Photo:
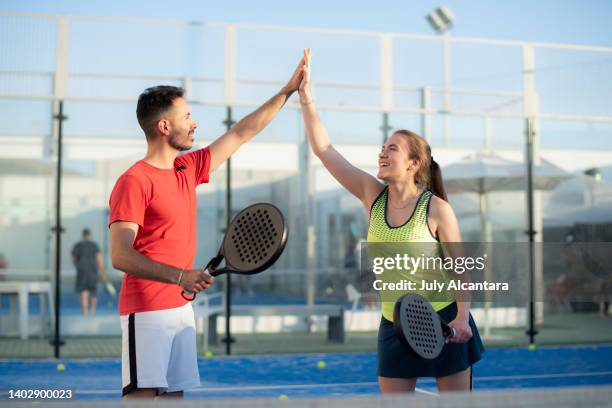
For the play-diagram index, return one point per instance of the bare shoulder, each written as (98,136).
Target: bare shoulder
(440,210)
(443,221)
(372,191)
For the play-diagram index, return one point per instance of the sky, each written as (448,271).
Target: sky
(562,21)
(567,82)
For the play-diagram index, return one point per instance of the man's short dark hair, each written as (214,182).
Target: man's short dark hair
(155,101)
(86,232)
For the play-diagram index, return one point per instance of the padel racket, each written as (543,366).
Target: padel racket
(110,289)
(419,327)
(254,240)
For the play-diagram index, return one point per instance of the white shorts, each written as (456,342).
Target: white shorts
(159,350)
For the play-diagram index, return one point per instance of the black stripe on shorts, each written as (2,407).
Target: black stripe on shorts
(132,356)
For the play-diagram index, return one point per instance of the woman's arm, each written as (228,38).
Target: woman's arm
(445,226)
(359,183)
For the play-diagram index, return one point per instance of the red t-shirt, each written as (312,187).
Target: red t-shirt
(163,203)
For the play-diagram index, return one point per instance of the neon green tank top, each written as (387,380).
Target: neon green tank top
(414,230)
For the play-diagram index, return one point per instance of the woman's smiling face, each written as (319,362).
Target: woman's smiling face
(393,159)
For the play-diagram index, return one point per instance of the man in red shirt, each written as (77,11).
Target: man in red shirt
(153,238)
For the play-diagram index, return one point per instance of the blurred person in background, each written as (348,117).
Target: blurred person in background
(87,259)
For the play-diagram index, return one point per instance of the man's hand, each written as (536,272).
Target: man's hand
(223,147)
(196,280)
(296,78)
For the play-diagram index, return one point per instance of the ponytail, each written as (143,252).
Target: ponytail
(435,180)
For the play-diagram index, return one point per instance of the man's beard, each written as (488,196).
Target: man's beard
(178,146)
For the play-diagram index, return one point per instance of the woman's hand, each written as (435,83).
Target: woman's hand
(304,89)
(463,331)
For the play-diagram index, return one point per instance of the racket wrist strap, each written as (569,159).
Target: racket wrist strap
(447,331)
(212,265)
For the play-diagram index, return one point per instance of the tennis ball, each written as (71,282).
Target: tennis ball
(208,354)
(283,397)
(321,364)
(61,367)
(531,347)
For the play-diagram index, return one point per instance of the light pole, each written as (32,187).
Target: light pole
(441,20)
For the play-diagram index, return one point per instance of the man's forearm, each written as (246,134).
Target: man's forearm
(254,122)
(134,263)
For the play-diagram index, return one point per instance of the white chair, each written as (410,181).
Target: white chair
(23,290)
(204,311)
(354,297)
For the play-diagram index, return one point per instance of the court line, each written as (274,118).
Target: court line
(262,387)
(255,387)
(536,376)
(422,391)
(488,378)
(370,383)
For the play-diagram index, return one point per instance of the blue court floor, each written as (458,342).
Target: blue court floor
(297,375)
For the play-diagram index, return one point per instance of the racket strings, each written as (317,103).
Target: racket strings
(423,332)
(255,237)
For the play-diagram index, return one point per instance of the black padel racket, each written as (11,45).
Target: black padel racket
(254,240)
(419,327)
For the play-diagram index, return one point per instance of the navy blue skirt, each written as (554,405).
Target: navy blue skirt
(395,361)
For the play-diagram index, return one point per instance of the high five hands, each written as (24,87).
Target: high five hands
(297,78)
(304,89)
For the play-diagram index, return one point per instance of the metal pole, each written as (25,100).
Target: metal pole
(486,236)
(58,229)
(487,132)
(385,127)
(531,332)
(425,117)
(228,340)
(446,62)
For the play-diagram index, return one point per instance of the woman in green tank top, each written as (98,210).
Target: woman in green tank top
(411,207)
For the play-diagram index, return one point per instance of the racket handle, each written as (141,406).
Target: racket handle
(217,272)
(447,331)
